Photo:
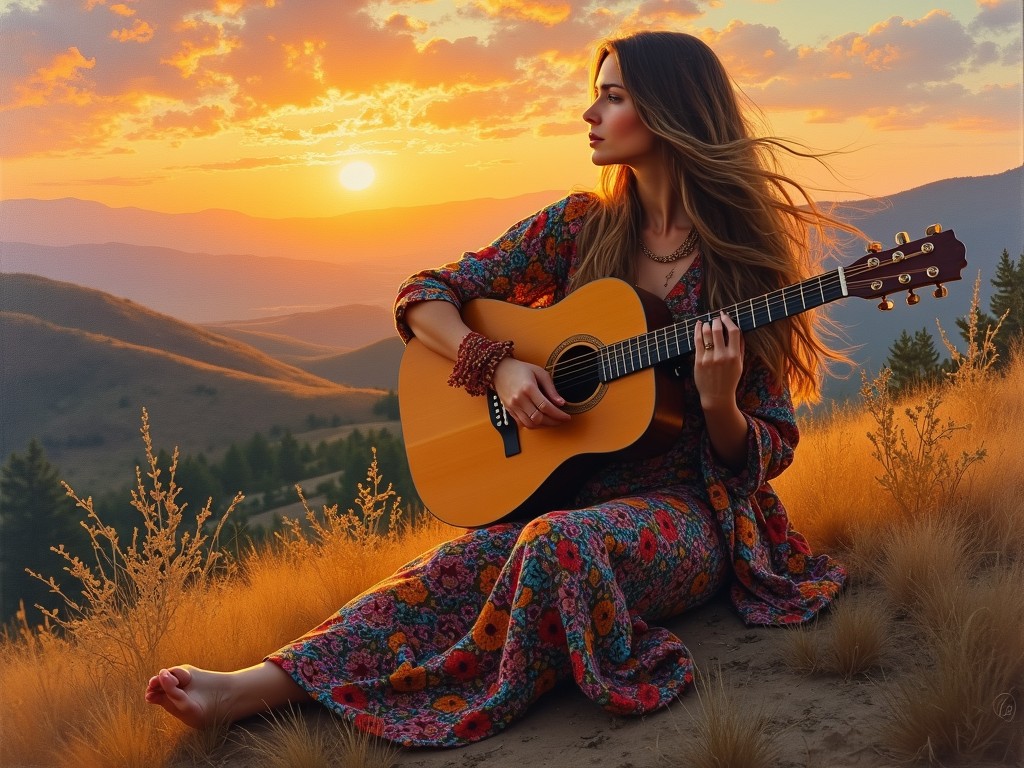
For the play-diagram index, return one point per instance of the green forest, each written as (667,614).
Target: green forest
(36,512)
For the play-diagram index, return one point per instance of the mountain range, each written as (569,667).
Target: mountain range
(222,325)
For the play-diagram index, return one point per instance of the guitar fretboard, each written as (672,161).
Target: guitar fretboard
(639,352)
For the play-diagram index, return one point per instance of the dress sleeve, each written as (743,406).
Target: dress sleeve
(529,265)
(777,578)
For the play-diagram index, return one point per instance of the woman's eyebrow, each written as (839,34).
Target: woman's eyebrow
(606,86)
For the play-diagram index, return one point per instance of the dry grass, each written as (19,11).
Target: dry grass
(82,688)
(962,701)
(948,557)
(295,741)
(728,730)
(854,641)
(952,570)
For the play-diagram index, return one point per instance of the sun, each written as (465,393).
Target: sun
(357,176)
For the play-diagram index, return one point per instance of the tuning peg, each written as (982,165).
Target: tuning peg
(874,247)
(940,292)
(912,298)
(902,238)
(934,229)
(885,304)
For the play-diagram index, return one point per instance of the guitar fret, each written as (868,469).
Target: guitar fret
(645,350)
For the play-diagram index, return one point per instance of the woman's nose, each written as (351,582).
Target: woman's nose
(590,116)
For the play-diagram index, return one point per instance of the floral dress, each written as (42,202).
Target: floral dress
(458,643)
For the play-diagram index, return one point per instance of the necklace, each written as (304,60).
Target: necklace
(684,250)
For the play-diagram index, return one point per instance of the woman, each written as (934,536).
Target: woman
(460,641)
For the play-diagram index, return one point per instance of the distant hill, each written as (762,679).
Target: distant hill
(373,366)
(341,328)
(371,237)
(201,287)
(84,309)
(79,384)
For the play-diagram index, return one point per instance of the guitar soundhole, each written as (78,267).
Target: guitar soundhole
(574,368)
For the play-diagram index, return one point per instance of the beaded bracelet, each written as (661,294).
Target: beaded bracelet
(477,360)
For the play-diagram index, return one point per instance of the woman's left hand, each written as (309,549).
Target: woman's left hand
(718,365)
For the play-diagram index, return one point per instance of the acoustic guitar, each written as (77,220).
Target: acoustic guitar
(610,350)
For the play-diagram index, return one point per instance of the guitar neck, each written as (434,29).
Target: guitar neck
(648,349)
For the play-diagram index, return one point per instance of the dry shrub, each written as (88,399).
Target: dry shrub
(858,634)
(294,741)
(922,558)
(962,702)
(131,593)
(73,695)
(728,730)
(918,470)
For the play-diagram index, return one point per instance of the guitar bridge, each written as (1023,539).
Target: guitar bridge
(506,426)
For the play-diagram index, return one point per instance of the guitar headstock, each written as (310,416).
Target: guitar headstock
(936,258)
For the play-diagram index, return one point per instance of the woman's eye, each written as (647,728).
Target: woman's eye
(613,98)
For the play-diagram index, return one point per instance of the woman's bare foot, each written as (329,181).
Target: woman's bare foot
(194,696)
(202,699)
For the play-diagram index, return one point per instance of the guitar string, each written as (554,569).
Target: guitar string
(582,368)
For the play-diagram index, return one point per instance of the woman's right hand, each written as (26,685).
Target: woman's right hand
(529,394)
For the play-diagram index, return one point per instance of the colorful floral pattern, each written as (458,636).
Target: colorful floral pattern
(460,641)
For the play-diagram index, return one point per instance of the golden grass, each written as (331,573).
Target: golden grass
(953,572)
(963,700)
(855,640)
(294,741)
(952,569)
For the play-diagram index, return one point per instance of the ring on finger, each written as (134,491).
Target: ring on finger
(708,346)
(534,414)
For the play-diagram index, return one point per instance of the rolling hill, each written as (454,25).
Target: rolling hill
(77,380)
(375,365)
(338,328)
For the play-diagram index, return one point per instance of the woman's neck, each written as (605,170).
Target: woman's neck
(661,203)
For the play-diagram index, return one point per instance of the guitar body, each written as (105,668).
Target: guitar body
(461,463)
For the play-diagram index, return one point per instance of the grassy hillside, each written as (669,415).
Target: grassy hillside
(84,309)
(279,346)
(78,366)
(375,365)
(344,327)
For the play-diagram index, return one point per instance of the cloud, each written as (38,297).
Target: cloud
(326,74)
(899,74)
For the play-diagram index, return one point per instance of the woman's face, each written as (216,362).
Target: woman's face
(617,135)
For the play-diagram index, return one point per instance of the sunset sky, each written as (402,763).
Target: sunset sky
(257,105)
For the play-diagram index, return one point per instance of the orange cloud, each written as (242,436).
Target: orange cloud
(141,32)
(60,81)
(546,13)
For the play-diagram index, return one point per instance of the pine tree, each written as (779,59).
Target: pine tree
(1007,299)
(913,360)
(289,459)
(35,514)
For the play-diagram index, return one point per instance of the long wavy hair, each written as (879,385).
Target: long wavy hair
(759,229)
